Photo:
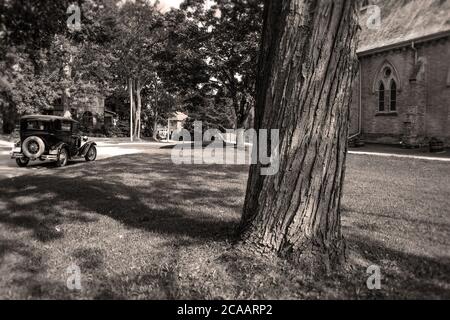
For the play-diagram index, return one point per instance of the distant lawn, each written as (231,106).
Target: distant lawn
(140,227)
(10,137)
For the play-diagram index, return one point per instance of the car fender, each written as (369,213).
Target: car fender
(85,148)
(58,147)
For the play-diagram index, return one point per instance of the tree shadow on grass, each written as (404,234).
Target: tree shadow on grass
(153,282)
(403,274)
(23,270)
(140,194)
(149,193)
(194,204)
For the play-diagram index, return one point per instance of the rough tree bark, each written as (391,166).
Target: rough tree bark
(305,73)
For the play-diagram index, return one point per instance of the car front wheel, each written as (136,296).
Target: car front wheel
(22,162)
(91,155)
(63,157)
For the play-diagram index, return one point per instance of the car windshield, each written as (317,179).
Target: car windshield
(35,125)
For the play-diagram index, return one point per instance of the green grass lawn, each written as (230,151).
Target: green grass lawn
(140,227)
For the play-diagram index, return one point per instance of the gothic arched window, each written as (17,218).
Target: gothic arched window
(387,87)
(381,96)
(393,96)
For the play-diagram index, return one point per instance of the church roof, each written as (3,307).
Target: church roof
(404,21)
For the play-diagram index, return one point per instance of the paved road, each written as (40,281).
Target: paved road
(9,169)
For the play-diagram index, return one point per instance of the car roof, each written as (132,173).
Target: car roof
(46,118)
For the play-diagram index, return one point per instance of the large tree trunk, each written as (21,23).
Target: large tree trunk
(9,118)
(240,133)
(239,123)
(138,109)
(155,126)
(65,98)
(243,111)
(65,101)
(130,91)
(306,68)
(156,113)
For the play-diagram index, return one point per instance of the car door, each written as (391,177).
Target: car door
(64,132)
(76,137)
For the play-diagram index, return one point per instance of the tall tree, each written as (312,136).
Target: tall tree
(230,36)
(26,30)
(21,90)
(159,105)
(306,68)
(141,36)
(235,28)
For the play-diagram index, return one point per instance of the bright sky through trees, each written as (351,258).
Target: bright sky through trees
(167,4)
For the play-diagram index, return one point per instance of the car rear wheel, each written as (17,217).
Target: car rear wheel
(22,162)
(91,155)
(33,147)
(63,157)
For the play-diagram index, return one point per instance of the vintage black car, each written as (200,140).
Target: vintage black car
(51,138)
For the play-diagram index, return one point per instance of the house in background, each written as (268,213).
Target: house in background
(176,123)
(92,114)
(402,92)
(174,126)
(110,118)
(161,132)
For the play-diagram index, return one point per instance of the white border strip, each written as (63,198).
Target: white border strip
(399,156)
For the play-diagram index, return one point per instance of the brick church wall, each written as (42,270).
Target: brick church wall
(438,91)
(430,95)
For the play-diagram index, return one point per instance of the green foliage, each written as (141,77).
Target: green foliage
(229,34)
(139,36)
(121,130)
(159,106)
(42,60)
(182,61)
(21,90)
(32,24)
(195,59)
